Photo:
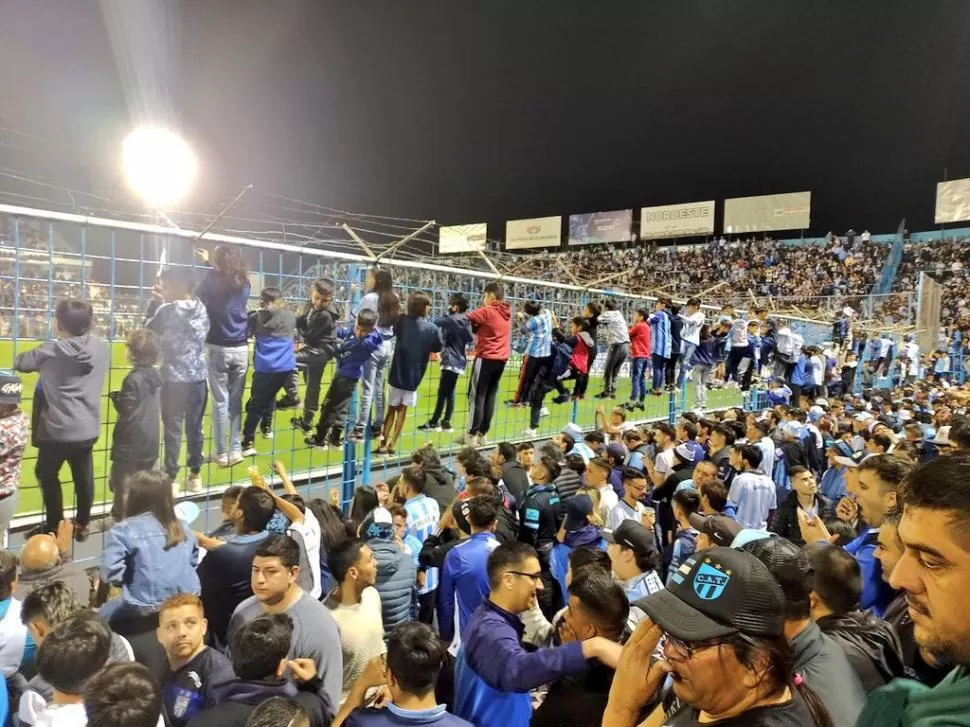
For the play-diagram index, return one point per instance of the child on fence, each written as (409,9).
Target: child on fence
(66,417)
(14,435)
(584,347)
(640,359)
(182,324)
(355,351)
(456,334)
(134,444)
(317,328)
(273,326)
(417,339)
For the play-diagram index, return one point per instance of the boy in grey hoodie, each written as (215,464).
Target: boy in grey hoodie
(67,410)
(182,323)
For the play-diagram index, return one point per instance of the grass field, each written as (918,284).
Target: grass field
(288,446)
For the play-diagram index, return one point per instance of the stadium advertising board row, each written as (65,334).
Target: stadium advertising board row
(742,215)
(593,227)
(953,201)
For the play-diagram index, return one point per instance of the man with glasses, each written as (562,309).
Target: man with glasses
(721,622)
(493,672)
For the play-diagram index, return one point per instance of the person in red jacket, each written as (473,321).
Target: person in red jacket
(583,345)
(492,324)
(640,359)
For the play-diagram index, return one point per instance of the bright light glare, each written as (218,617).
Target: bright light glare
(159,165)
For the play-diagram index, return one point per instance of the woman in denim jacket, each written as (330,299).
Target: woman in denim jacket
(150,554)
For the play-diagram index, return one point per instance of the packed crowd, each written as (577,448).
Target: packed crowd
(944,260)
(785,566)
(804,564)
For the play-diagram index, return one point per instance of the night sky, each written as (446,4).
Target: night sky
(470,111)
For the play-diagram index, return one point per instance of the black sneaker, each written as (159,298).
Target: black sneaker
(429,427)
(286,402)
(357,435)
(298,423)
(316,443)
(562,399)
(602,395)
(445,427)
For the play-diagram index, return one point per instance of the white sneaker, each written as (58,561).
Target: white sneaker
(234,459)
(176,489)
(267,435)
(250,451)
(220,460)
(543,412)
(530,433)
(481,441)
(193,484)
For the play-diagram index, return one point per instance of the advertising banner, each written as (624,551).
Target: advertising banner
(677,220)
(593,227)
(953,201)
(535,232)
(462,238)
(767,212)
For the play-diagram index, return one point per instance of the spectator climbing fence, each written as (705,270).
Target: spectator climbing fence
(46,256)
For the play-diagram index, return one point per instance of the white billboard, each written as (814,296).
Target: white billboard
(953,201)
(677,220)
(462,238)
(535,232)
(767,212)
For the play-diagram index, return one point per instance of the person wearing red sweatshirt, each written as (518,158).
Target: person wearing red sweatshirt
(640,359)
(492,324)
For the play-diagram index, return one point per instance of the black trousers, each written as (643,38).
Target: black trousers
(446,397)
(262,401)
(335,406)
(616,355)
(482,388)
(670,369)
(50,457)
(534,367)
(426,607)
(120,471)
(183,405)
(313,366)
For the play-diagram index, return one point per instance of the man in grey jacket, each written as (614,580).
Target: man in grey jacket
(66,417)
(618,338)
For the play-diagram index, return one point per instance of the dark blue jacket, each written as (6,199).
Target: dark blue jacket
(394,716)
(354,352)
(226,306)
(396,574)
(465,577)
(417,339)
(274,329)
(876,593)
(494,673)
(706,353)
(456,333)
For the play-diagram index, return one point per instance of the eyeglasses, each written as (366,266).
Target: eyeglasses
(690,648)
(536,577)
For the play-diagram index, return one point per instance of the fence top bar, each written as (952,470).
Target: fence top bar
(17,211)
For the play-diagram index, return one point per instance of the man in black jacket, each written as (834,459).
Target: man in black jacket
(514,476)
(259,649)
(804,495)
(869,643)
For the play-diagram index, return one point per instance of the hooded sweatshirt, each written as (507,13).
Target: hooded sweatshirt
(67,404)
(456,333)
(616,330)
(235,700)
(354,352)
(183,326)
(274,328)
(318,329)
(226,307)
(417,339)
(907,702)
(136,433)
(492,324)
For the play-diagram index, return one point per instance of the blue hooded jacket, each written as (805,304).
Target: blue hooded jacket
(354,352)
(226,306)
(273,329)
(456,333)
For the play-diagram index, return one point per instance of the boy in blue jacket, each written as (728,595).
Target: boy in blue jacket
(355,350)
(417,339)
(456,335)
(273,326)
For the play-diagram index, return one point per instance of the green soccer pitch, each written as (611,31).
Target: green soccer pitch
(288,446)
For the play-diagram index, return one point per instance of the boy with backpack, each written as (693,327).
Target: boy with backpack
(417,339)
(134,444)
(182,324)
(66,417)
(355,351)
(273,326)
(456,335)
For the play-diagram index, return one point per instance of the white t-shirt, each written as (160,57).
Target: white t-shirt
(691,330)
(663,463)
(309,530)
(608,500)
(361,634)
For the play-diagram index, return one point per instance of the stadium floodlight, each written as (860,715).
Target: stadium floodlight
(159,165)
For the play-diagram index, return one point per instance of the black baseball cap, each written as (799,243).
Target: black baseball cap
(716,593)
(719,528)
(578,509)
(631,534)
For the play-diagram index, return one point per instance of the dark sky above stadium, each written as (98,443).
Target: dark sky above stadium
(469,111)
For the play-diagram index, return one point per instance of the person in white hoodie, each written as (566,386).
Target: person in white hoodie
(618,338)
(690,336)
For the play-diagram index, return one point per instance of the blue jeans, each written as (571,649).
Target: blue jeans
(227,379)
(659,366)
(638,374)
(375,371)
(685,364)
